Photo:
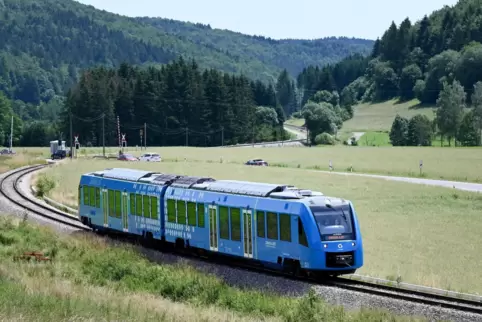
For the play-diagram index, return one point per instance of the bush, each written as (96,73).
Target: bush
(324,139)
(44,185)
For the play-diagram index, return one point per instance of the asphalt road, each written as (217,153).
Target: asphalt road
(466,186)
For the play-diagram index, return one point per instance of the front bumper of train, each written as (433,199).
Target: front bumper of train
(338,256)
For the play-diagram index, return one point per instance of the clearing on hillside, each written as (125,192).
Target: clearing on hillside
(380,116)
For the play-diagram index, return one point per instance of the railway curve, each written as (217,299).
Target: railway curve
(469,304)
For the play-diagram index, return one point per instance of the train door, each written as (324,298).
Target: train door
(125,213)
(213,228)
(248,233)
(105,204)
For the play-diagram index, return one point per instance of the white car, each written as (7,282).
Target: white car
(150,157)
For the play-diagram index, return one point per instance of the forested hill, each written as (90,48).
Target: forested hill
(45,43)
(290,54)
(409,60)
(437,60)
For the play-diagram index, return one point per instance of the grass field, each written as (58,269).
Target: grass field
(23,156)
(427,235)
(380,116)
(460,164)
(92,279)
(375,138)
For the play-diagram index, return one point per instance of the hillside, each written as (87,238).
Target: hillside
(410,60)
(290,54)
(46,42)
(414,61)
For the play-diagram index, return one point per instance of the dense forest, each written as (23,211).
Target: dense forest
(47,43)
(179,103)
(411,61)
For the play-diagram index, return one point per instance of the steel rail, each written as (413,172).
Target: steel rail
(20,199)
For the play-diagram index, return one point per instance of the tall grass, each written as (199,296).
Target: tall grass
(90,278)
(44,184)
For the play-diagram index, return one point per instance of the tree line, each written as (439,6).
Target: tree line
(177,100)
(453,121)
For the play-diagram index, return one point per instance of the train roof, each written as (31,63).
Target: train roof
(247,188)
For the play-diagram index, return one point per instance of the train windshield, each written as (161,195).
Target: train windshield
(334,223)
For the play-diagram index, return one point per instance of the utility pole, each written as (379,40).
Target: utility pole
(11,134)
(145,136)
(222,135)
(103,135)
(118,132)
(71,141)
(187,136)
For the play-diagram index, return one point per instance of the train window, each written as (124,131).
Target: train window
(191,214)
(132,201)
(86,195)
(223,222)
(145,203)
(285,227)
(171,210)
(301,234)
(260,224)
(138,205)
(154,214)
(200,215)
(92,196)
(79,194)
(181,212)
(272,225)
(97,197)
(235,224)
(111,203)
(118,207)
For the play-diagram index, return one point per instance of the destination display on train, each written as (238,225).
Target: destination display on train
(337,237)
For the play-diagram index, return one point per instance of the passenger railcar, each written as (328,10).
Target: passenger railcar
(278,226)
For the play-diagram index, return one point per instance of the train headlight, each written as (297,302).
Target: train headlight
(325,245)
(353,244)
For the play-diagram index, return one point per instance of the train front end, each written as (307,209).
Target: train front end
(337,246)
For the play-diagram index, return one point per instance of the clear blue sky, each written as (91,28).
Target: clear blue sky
(305,19)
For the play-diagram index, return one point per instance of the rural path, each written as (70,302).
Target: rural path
(294,130)
(466,186)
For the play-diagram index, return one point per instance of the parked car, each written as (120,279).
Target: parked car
(150,157)
(59,154)
(127,157)
(259,162)
(7,151)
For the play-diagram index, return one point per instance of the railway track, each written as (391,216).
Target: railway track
(10,190)
(9,187)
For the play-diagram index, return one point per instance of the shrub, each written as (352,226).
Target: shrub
(44,185)
(324,139)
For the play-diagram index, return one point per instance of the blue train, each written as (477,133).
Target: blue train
(277,226)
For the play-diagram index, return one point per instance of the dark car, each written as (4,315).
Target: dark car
(127,157)
(259,162)
(59,154)
(7,151)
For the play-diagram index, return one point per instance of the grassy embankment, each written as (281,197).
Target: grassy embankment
(90,278)
(409,230)
(23,157)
